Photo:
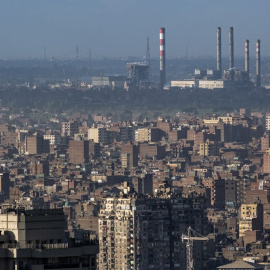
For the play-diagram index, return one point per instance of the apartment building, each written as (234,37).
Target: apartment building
(129,156)
(36,239)
(139,232)
(78,152)
(210,148)
(37,145)
(99,135)
(250,218)
(69,128)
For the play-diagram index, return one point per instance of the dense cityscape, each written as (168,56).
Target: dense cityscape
(136,162)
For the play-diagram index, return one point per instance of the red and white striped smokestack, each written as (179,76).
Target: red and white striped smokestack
(247,56)
(162,57)
(258,62)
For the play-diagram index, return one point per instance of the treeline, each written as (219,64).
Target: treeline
(120,101)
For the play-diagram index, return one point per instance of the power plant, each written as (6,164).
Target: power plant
(232,77)
(247,57)
(258,63)
(162,57)
(231,48)
(138,73)
(219,51)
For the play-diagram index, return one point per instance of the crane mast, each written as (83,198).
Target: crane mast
(190,237)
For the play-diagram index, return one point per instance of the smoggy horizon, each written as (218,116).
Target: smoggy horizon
(119,28)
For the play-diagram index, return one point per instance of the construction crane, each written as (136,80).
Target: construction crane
(190,238)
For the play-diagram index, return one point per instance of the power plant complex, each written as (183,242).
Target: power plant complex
(231,77)
(138,75)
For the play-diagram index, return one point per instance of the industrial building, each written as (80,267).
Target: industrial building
(204,84)
(185,84)
(109,81)
(232,77)
(137,74)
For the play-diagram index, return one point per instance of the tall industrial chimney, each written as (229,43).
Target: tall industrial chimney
(162,58)
(258,63)
(247,57)
(231,64)
(219,50)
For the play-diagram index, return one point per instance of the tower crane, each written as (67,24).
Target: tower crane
(190,237)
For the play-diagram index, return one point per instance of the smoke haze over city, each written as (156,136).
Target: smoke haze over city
(120,28)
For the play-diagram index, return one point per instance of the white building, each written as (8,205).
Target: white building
(204,84)
(54,139)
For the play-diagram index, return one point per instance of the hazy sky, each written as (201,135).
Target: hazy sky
(120,27)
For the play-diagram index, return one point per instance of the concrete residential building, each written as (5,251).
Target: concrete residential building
(38,168)
(151,150)
(145,233)
(143,185)
(78,152)
(129,156)
(267,121)
(93,134)
(54,139)
(4,184)
(35,239)
(265,142)
(69,128)
(126,134)
(141,135)
(266,162)
(231,191)
(94,148)
(250,218)
(9,138)
(99,135)
(210,148)
(37,145)
(149,134)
